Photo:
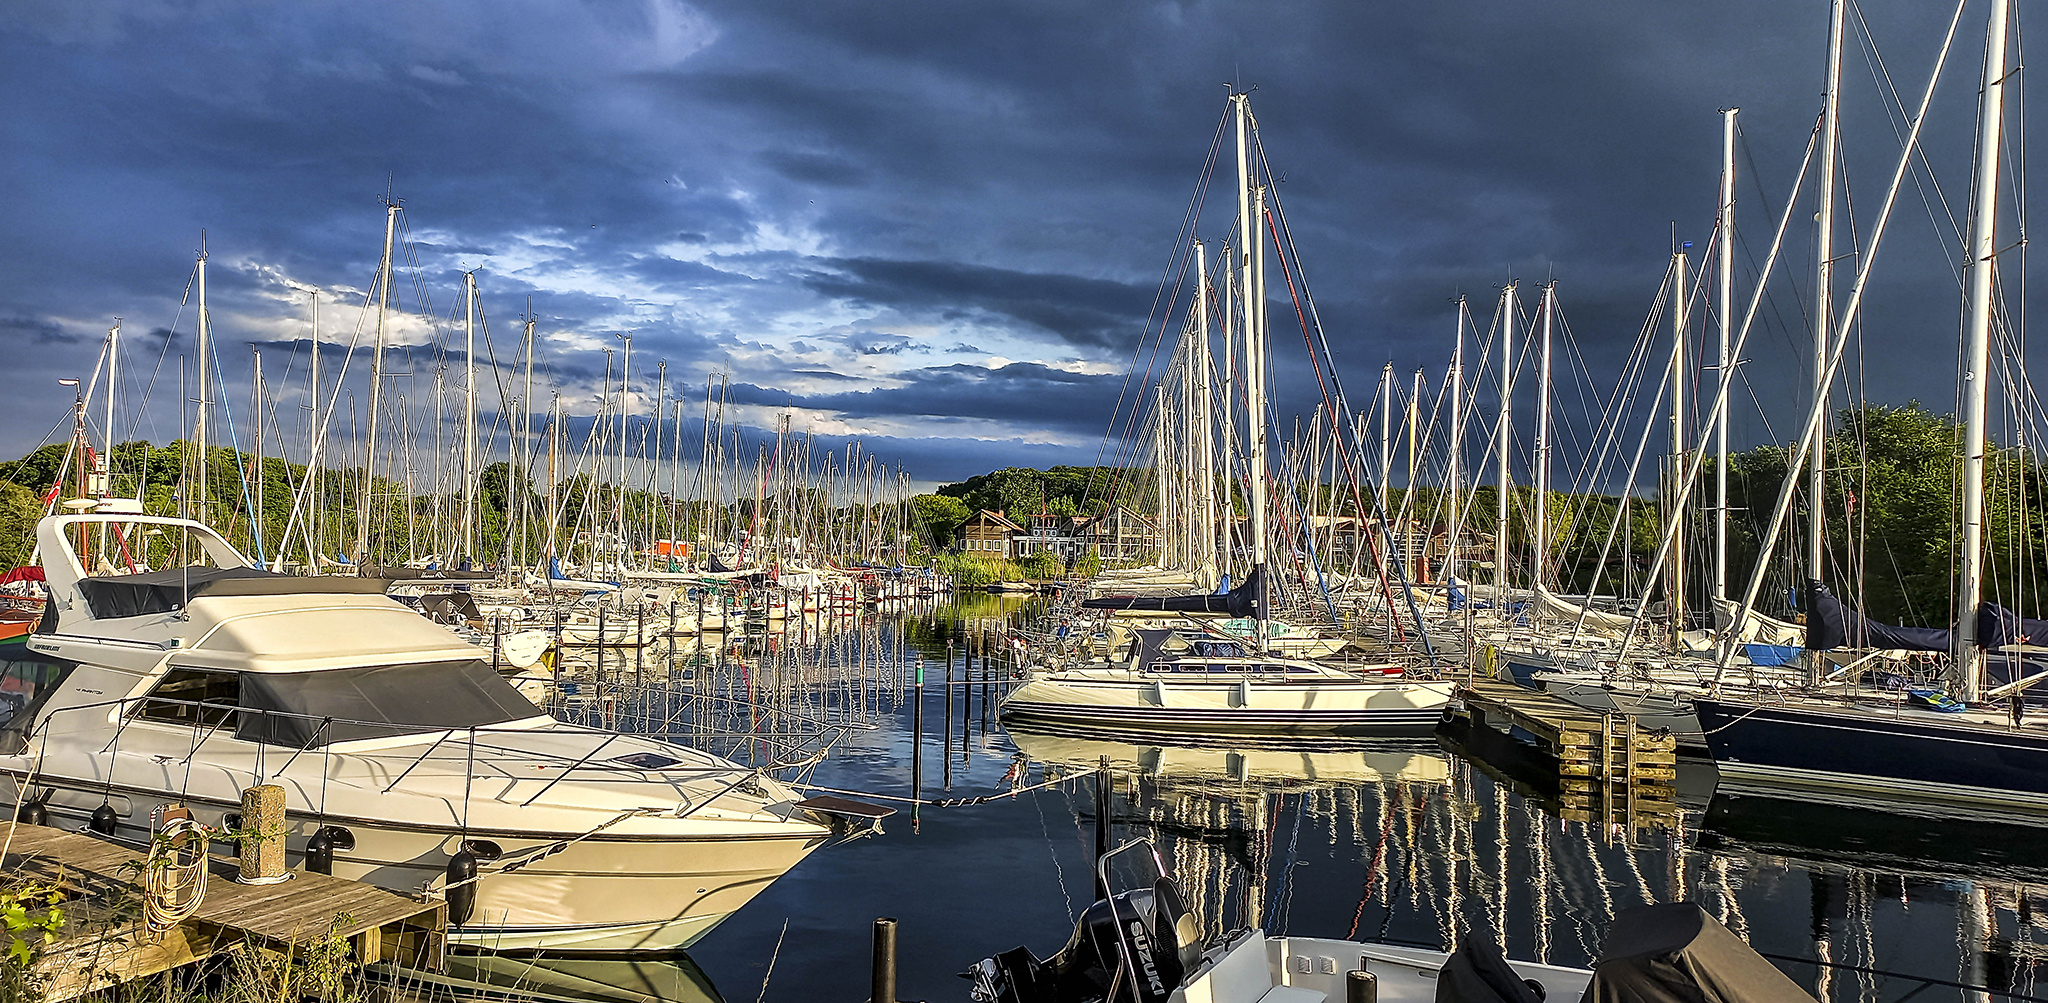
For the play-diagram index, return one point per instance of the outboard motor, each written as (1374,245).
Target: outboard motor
(1137,945)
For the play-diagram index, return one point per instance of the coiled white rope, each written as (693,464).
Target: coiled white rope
(174,876)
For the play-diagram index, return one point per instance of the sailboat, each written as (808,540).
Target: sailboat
(1169,670)
(1888,743)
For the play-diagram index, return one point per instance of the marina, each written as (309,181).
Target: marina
(829,580)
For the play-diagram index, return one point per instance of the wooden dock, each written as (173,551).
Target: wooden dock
(1607,768)
(105,942)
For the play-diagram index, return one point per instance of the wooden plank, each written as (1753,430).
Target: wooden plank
(104,944)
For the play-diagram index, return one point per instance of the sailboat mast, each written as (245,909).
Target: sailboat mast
(1386,434)
(625,416)
(1969,656)
(1456,379)
(523,484)
(466,542)
(1205,438)
(1674,494)
(1500,435)
(1824,293)
(1251,255)
(1725,292)
(316,521)
(362,547)
(205,403)
(1540,546)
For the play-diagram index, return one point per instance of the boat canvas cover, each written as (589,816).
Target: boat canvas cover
(1832,625)
(1241,602)
(115,596)
(1556,609)
(1476,973)
(1677,953)
(312,709)
(1760,629)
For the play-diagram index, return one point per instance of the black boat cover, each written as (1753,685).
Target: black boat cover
(1678,954)
(1829,624)
(314,709)
(1242,601)
(1476,973)
(115,596)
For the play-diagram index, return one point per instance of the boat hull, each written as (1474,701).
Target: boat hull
(595,893)
(1901,756)
(1232,706)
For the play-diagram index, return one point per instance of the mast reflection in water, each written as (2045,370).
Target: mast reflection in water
(1404,841)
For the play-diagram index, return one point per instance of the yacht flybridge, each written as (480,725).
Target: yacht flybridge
(396,744)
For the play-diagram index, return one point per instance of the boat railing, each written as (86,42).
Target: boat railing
(466,742)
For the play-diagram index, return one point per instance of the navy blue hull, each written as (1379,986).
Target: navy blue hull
(1904,756)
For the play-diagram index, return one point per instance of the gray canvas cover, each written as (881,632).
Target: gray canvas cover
(312,709)
(1678,954)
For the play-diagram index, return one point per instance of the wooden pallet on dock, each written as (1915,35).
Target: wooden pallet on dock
(104,941)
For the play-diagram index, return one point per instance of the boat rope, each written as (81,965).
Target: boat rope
(174,876)
(544,852)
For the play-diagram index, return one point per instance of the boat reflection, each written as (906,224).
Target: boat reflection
(1273,762)
(668,977)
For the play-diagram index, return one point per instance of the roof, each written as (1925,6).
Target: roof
(996,517)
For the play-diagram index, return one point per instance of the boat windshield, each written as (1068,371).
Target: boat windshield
(303,710)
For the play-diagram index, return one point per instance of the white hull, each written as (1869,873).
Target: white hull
(1226,704)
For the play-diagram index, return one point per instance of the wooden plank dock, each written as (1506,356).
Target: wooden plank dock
(105,942)
(1607,768)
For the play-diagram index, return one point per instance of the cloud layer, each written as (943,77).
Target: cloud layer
(934,225)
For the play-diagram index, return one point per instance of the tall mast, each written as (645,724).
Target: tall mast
(1540,548)
(654,472)
(1386,435)
(362,548)
(316,520)
(466,541)
(1500,434)
(625,415)
(1824,293)
(523,484)
(1681,308)
(1251,204)
(256,393)
(205,402)
(554,448)
(1724,268)
(1969,656)
(1456,379)
(1205,439)
(1410,553)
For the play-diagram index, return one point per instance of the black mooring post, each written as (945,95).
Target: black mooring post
(1103,833)
(883,987)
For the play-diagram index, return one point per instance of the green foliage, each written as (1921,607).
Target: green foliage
(33,915)
(942,517)
(1042,566)
(1023,491)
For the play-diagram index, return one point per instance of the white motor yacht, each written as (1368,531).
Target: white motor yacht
(404,758)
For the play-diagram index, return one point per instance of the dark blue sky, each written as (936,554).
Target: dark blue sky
(935,226)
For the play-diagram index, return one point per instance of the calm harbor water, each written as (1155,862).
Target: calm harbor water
(1405,840)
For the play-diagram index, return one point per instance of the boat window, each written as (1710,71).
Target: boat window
(310,709)
(26,681)
(178,697)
